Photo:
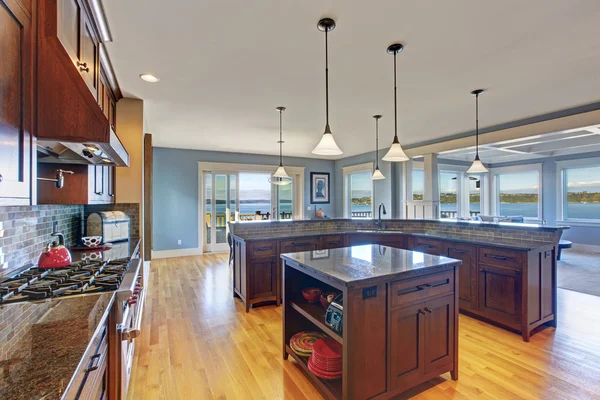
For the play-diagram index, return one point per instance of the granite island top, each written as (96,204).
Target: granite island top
(521,243)
(358,265)
(43,342)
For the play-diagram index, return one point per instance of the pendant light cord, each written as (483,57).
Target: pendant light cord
(280,140)
(377,143)
(395,102)
(477,126)
(326,83)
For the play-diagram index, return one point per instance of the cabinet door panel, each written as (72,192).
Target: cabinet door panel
(406,345)
(69,27)
(429,246)
(15,102)
(264,277)
(500,293)
(89,56)
(467,272)
(439,333)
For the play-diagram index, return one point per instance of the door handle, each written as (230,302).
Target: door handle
(421,311)
(459,251)
(495,257)
(429,310)
(427,246)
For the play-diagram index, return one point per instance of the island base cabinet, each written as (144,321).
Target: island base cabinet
(500,294)
(263,280)
(422,342)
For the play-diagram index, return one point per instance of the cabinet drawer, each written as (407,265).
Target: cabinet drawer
(429,246)
(332,242)
(409,290)
(263,248)
(92,365)
(501,257)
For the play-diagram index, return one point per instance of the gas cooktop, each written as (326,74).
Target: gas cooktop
(81,277)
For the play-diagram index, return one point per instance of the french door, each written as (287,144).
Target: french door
(221,204)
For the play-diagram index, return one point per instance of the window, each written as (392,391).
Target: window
(518,192)
(448,194)
(285,201)
(358,191)
(418,183)
(581,193)
(474,195)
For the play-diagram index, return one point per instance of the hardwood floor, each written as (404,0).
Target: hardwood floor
(198,343)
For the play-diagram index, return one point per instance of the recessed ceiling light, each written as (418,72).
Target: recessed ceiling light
(149,78)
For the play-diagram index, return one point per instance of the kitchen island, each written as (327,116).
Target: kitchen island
(400,316)
(508,276)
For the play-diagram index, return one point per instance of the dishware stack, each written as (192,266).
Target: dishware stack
(326,359)
(302,342)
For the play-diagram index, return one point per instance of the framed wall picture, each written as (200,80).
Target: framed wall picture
(319,188)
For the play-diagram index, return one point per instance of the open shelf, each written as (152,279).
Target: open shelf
(315,313)
(332,389)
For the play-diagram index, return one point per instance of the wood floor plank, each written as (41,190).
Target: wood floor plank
(198,342)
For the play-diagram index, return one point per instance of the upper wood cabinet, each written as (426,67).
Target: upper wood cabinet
(16,102)
(77,90)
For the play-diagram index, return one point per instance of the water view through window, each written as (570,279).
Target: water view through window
(518,194)
(448,196)
(583,193)
(361,194)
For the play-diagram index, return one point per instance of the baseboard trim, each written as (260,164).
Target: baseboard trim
(176,253)
(585,248)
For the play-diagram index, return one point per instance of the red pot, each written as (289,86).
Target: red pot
(55,255)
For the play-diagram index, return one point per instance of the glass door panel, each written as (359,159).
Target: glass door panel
(285,202)
(207,208)
(221,208)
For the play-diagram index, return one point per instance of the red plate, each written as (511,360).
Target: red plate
(323,374)
(331,367)
(327,348)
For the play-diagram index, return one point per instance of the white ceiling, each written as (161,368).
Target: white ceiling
(573,141)
(225,65)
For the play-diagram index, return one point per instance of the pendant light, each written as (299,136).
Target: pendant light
(395,154)
(327,145)
(377,175)
(477,167)
(280,177)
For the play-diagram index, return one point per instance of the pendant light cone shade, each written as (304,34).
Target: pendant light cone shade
(327,146)
(377,175)
(395,153)
(477,167)
(280,177)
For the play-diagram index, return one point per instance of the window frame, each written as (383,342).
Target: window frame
(562,167)
(495,188)
(347,200)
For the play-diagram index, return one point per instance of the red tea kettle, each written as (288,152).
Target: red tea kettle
(55,255)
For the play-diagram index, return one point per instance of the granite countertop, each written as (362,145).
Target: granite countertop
(509,243)
(43,342)
(118,250)
(357,265)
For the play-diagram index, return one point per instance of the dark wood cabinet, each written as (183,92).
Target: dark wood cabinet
(467,289)
(332,242)
(407,346)
(300,244)
(428,246)
(440,326)
(500,294)
(89,184)
(16,103)
(89,55)
(263,278)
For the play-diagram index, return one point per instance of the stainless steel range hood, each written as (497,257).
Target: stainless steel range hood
(112,153)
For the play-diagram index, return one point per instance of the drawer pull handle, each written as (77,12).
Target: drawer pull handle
(459,251)
(336,242)
(429,310)
(421,287)
(495,257)
(301,243)
(427,246)
(263,248)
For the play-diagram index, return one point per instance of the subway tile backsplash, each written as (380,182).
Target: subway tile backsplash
(24,230)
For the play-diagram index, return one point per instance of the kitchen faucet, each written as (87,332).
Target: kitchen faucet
(379,222)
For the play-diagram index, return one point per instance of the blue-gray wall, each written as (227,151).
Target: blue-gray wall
(175,185)
(589,235)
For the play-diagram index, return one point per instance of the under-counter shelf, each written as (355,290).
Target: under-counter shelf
(315,313)
(331,388)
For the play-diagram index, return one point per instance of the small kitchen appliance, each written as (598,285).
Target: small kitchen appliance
(55,254)
(334,316)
